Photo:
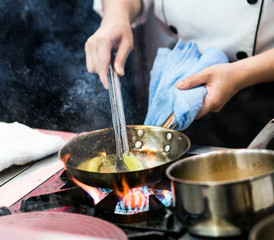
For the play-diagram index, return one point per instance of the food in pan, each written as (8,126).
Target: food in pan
(91,165)
(132,162)
(112,163)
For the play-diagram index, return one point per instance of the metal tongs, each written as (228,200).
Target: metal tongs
(118,116)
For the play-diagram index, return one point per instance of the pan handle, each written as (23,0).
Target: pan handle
(264,136)
(259,142)
(170,122)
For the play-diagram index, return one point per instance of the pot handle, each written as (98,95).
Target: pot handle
(264,136)
(170,122)
(259,142)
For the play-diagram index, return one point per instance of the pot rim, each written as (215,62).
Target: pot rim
(223,182)
(259,225)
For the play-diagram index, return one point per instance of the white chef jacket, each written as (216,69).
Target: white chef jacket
(241,28)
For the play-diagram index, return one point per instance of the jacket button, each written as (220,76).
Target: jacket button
(173,29)
(252,1)
(241,55)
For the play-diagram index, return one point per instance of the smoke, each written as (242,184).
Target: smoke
(43,78)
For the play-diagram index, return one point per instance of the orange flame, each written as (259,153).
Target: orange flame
(166,193)
(66,157)
(95,193)
(125,190)
(133,198)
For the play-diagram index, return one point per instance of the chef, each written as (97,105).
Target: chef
(242,29)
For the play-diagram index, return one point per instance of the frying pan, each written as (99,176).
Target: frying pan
(152,142)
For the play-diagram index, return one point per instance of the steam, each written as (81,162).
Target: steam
(42,65)
(43,78)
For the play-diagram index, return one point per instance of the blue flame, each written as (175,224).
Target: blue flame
(124,207)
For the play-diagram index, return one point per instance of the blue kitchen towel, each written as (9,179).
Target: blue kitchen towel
(169,67)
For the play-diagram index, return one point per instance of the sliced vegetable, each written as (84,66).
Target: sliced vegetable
(132,162)
(92,165)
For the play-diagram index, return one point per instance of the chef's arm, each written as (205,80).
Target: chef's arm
(223,81)
(115,34)
(254,70)
(128,10)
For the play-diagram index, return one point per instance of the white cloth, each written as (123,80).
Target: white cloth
(20,144)
(230,25)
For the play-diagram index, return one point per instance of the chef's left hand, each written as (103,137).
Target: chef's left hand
(223,81)
(221,85)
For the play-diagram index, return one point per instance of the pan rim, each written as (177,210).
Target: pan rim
(84,134)
(221,182)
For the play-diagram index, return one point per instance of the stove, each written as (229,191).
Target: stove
(153,218)
(142,213)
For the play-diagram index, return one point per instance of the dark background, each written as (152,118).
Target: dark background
(44,82)
(43,78)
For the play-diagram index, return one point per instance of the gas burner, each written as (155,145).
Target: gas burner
(60,195)
(158,220)
(128,201)
(76,200)
(73,199)
(4,211)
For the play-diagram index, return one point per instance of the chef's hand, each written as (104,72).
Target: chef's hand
(223,81)
(113,34)
(220,85)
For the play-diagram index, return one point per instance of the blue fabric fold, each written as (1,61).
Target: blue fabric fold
(169,67)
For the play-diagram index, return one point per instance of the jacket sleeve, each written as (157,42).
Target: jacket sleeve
(146,4)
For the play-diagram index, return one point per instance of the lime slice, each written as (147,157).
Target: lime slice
(132,162)
(91,165)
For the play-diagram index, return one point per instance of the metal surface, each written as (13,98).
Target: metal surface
(264,137)
(19,186)
(228,207)
(151,140)
(12,172)
(118,116)
(224,193)
(199,149)
(263,230)
(170,122)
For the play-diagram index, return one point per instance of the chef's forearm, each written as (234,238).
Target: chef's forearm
(129,10)
(256,69)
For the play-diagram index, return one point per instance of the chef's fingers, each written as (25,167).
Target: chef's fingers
(104,79)
(191,82)
(102,66)
(98,57)
(205,109)
(88,50)
(212,103)
(121,56)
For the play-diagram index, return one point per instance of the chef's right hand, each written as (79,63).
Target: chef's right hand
(114,34)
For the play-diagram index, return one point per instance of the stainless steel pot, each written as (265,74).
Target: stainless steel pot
(224,193)
(263,230)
